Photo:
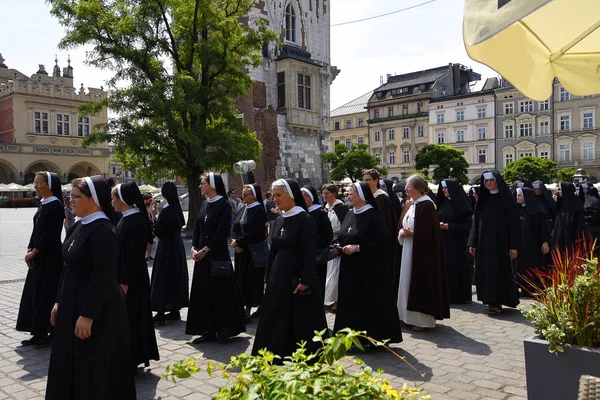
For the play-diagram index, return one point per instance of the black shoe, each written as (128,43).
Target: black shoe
(204,339)
(159,319)
(36,340)
(255,314)
(173,316)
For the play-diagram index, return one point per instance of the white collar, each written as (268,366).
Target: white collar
(216,198)
(92,217)
(293,212)
(314,207)
(49,199)
(363,209)
(129,212)
(252,205)
(421,199)
(495,191)
(378,193)
(165,206)
(335,203)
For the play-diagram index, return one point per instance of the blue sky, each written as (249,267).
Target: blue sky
(421,38)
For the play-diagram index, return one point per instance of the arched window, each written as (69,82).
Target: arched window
(290,23)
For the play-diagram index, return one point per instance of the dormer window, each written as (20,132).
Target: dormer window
(290,23)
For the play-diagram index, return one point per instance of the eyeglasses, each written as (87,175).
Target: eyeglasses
(76,197)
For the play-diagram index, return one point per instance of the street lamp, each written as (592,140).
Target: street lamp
(245,168)
(580,176)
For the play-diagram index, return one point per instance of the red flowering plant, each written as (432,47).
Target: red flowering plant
(566,310)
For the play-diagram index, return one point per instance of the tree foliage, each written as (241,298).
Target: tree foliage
(565,174)
(530,169)
(446,161)
(351,163)
(179,65)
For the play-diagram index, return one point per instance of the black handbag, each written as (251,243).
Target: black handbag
(221,269)
(325,255)
(259,253)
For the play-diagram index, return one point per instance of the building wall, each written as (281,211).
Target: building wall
(341,131)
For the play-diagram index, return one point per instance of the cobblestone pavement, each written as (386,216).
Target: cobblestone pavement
(470,356)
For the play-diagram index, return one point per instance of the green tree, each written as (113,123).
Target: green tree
(565,174)
(179,66)
(446,161)
(351,163)
(530,169)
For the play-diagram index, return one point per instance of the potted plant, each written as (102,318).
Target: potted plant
(321,376)
(566,319)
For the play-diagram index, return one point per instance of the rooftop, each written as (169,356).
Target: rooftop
(356,106)
(414,78)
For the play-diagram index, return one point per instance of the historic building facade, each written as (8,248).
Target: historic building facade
(349,123)
(40,128)
(524,127)
(466,122)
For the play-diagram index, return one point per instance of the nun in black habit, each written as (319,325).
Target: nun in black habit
(544,198)
(134,230)
(535,237)
(456,217)
(591,210)
(365,298)
(388,184)
(216,310)
(44,260)
(169,290)
(324,235)
(90,356)
(249,229)
(569,225)
(494,241)
(292,310)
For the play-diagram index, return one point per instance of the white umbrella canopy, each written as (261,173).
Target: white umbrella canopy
(552,186)
(149,189)
(67,188)
(13,187)
(3,187)
(30,187)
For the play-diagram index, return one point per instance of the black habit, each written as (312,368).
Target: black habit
(41,284)
(546,201)
(457,213)
(592,214)
(494,233)
(215,302)
(569,225)
(324,238)
(286,319)
(98,367)
(390,224)
(133,231)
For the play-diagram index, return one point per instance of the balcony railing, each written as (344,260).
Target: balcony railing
(398,117)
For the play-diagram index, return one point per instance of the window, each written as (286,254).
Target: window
(460,103)
(544,154)
(391,134)
(392,156)
(544,128)
(337,126)
(588,96)
(588,120)
(526,129)
(525,154)
(304,91)
(481,132)
(405,109)
(481,112)
(405,132)
(348,123)
(544,105)
(41,122)
(440,118)
(361,122)
(509,108)
(335,143)
(420,131)
(390,111)
(509,131)
(564,95)
(361,140)
(526,106)
(460,115)
(460,135)
(482,156)
(376,113)
(405,156)
(565,122)
(62,124)
(565,152)
(290,23)
(83,126)
(440,137)
(588,151)
(508,158)
(348,144)
(378,155)
(377,136)
(281,92)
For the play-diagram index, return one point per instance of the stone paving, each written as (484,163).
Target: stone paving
(470,356)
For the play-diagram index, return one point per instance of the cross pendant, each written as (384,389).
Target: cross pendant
(281,232)
(205,217)
(349,229)
(71,245)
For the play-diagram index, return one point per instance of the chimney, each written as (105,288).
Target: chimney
(56,71)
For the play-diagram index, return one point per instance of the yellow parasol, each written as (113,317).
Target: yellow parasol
(530,42)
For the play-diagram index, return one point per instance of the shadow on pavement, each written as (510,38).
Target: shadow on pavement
(446,337)
(222,352)
(146,383)
(392,365)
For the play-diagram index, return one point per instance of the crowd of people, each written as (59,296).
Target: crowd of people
(386,254)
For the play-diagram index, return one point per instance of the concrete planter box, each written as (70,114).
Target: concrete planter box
(556,376)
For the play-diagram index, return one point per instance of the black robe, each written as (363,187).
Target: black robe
(494,233)
(249,228)
(215,302)
(98,367)
(549,207)
(459,265)
(592,215)
(535,230)
(365,297)
(170,279)
(41,284)
(286,319)
(390,224)
(569,225)
(133,232)
(324,238)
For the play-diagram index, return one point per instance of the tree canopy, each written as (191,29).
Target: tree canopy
(446,161)
(351,163)
(565,174)
(530,169)
(178,67)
